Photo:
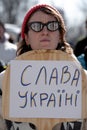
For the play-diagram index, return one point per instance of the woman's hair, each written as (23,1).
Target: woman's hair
(63,45)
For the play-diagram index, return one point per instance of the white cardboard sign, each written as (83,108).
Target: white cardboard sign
(45,89)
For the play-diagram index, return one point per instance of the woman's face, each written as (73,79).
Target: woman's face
(44,39)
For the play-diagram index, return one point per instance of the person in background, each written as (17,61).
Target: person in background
(7,53)
(43,28)
(83,58)
(80,45)
(7,49)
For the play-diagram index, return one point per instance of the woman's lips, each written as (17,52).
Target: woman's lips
(45,42)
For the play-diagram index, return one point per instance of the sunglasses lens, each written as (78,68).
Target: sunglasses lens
(36,27)
(53,26)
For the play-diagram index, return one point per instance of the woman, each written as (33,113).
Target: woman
(43,28)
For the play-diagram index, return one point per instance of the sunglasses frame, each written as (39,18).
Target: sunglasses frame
(42,26)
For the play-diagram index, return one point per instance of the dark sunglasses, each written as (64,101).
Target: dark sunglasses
(38,26)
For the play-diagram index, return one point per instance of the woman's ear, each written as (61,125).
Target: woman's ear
(26,39)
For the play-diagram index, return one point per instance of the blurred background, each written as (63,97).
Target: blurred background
(74,13)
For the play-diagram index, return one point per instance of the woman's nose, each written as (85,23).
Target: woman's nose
(45,30)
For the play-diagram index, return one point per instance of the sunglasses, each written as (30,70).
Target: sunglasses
(38,26)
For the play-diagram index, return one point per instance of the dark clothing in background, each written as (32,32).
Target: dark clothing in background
(79,48)
(2,66)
